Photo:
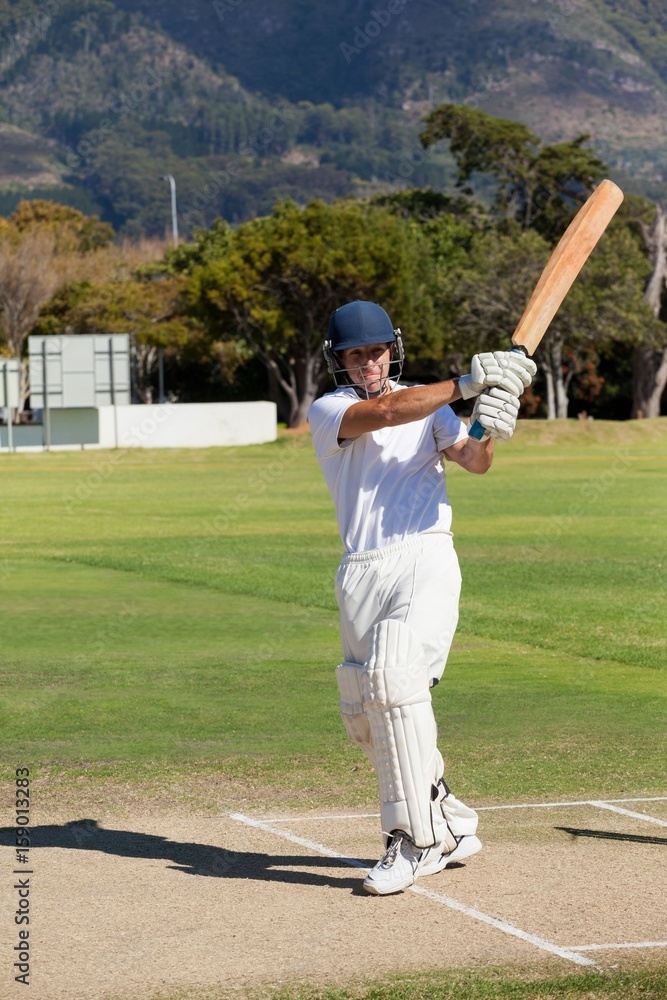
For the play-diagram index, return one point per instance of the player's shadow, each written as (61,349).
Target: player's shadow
(633,838)
(187,857)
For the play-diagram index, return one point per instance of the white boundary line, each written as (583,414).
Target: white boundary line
(502,925)
(599,803)
(613,947)
(627,812)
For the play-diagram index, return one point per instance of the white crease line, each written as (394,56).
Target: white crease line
(504,925)
(312,845)
(304,819)
(534,805)
(582,802)
(654,798)
(627,812)
(453,904)
(612,947)
(524,805)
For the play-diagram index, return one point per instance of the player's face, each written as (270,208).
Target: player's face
(368,365)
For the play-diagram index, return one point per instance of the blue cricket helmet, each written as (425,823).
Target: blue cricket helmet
(359,323)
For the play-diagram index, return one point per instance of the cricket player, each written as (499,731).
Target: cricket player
(381,448)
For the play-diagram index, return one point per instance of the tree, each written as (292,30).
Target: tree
(208,245)
(423,204)
(489,292)
(486,291)
(283,275)
(536,185)
(72,230)
(605,305)
(28,279)
(41,246)
(649,363)
(152,311)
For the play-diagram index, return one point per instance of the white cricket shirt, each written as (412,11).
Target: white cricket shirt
(385,484)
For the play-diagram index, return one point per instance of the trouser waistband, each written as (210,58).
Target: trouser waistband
(412,541)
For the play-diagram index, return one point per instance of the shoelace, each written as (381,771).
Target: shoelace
(390,855)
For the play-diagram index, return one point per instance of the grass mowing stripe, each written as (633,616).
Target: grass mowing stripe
(593,602)
(135,670)
(219,644)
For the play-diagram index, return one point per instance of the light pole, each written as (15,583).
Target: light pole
(174,219)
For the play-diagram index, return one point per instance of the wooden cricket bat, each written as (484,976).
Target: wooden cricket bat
(564,265)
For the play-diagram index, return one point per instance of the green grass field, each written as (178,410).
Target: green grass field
(169,621)
(171,611)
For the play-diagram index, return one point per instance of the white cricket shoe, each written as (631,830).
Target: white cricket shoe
(433,862)
(402,863)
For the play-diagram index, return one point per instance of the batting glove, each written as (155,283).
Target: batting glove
(496,411)
(508,370)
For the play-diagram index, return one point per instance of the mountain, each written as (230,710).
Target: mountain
(294,47)
(561,66)
(247,101)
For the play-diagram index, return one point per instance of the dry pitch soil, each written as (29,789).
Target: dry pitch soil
(168,899)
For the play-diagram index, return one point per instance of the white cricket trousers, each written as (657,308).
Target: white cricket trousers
(416,581)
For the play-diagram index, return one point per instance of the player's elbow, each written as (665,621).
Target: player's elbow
(485,463)
(476,462)
(387,413)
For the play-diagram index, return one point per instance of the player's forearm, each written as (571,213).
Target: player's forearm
(476,456)
(394,408)
(417,402)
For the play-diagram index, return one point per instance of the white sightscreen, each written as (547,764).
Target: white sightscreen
(86,370)
(10,382)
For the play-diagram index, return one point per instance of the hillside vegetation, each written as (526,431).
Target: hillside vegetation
(246,101)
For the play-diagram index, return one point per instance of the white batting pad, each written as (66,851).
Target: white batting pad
(352,713)
(397,700)
(461,819)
